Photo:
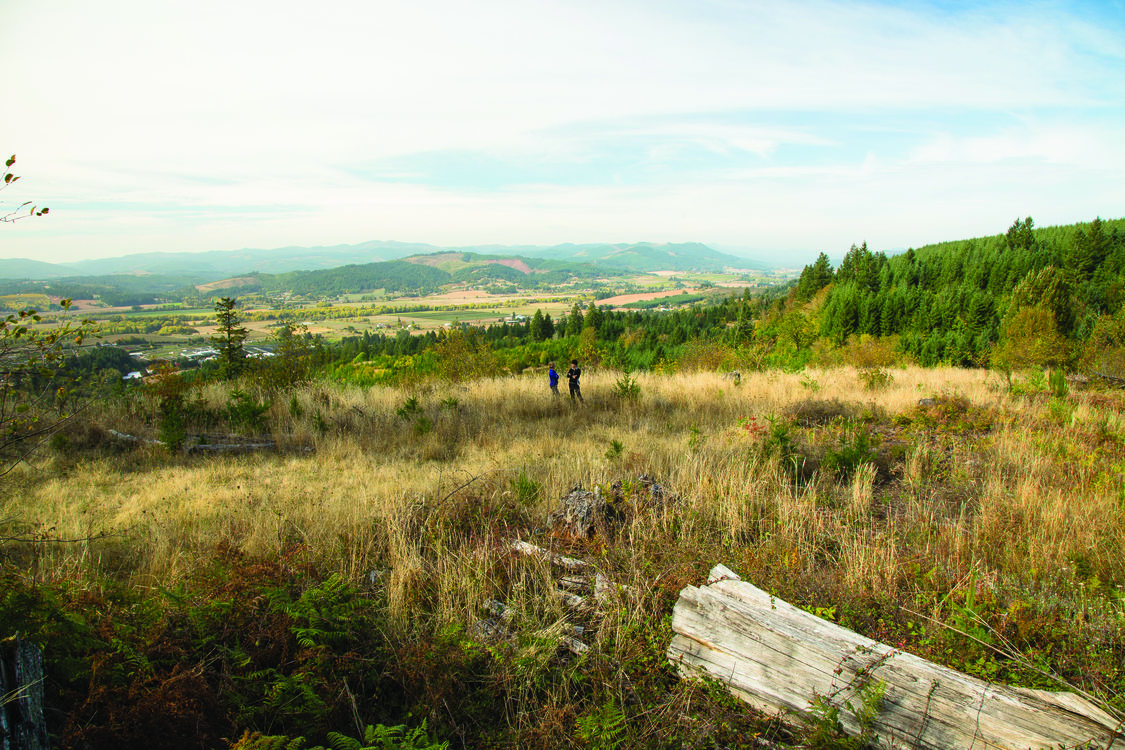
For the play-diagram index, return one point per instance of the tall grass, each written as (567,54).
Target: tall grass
(991,490)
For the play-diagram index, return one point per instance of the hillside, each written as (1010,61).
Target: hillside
(1027,296)
(205,267)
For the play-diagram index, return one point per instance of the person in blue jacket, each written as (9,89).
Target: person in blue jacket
(553,375)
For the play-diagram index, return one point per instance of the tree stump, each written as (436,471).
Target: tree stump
(22,726)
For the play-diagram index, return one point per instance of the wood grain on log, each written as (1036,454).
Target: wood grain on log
(779,658)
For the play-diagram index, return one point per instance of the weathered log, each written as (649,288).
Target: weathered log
(779,658)
(22,726)
(201,447)
(562,561)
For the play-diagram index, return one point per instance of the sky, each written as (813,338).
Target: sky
(778,129)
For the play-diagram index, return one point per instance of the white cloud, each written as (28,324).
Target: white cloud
(201,120)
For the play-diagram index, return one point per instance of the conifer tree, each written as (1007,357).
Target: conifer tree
(229,338)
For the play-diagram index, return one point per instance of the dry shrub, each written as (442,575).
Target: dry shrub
(816,412)
(705,355)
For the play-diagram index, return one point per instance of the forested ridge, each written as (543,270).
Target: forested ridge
(1028,297)
(954,302)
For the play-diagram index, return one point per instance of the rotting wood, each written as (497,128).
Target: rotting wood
(199,448)
(779,658)
(1119,381)
(576,584)
(562,561)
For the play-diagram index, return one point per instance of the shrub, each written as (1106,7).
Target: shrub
(875,378)
(626,388)
(854,450)
(244,410)
(815,412)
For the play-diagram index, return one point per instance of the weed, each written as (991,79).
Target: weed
(377,737)
(696,439)
(526,489)
(826,728)
(1061,410)
(966,618)
(1057,382)
(616,448)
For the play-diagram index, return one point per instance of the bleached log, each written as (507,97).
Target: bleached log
(572,601)
(779,658)
(201,448)
(555,559)
(230,448)
(133,438)
(573,645)
(577,584)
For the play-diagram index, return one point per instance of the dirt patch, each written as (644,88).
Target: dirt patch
(515,263)
(226,284)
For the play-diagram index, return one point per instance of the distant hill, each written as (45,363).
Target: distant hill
(215,265)
(646,256)
(25,268)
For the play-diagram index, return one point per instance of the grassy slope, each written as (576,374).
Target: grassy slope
(979,505)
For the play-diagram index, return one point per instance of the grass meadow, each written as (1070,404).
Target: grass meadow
(341,580)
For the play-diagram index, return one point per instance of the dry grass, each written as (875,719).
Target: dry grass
(1021,504)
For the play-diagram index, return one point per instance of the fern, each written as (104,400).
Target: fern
(384,738)
(604,729)
(342,742)
(259,741)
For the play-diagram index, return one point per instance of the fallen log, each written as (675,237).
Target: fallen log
(779,658)
(200,447)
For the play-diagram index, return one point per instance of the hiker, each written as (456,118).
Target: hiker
(553,376)
(572,376)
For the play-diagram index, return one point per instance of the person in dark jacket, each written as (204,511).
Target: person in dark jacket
(572,376)
(553,376)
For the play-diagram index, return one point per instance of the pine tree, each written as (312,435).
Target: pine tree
(229,339)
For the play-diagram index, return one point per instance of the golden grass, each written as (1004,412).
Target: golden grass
(377,492)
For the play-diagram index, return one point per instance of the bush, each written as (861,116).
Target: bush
(875,378)
(855,449)
(816,412)
(627,388)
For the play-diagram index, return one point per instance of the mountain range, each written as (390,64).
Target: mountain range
(213,265)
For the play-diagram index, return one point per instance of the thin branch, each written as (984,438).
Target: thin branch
(1013,654)
(78,540)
